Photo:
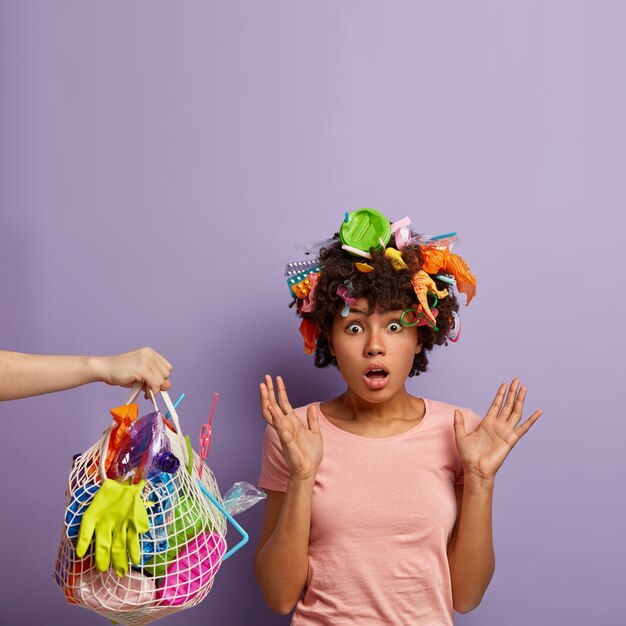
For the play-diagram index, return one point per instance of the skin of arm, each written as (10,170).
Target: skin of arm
(471,555)
(24,375)
(281,562)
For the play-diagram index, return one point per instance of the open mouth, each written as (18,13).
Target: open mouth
(376,376)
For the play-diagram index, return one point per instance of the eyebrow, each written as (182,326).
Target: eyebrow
(392,313)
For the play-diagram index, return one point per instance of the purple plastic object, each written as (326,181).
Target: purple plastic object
(194,569)
(145,449)
(166,461)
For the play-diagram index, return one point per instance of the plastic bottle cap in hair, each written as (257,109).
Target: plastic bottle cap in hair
(365,229)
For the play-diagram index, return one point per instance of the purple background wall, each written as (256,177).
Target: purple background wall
(158,162)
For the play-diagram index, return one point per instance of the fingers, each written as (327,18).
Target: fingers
(144,366)
(85,533)
(312,419)
(283,400)
(272,408)
(272,413)
(119,555)
(494,409)
(270,389)
(166,366)
(155,370)
(510,399)
(134,547)
(518,409)
(459,424)
(267,415)
(520,431)
(103,547)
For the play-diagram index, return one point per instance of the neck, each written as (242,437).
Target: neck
(399,406)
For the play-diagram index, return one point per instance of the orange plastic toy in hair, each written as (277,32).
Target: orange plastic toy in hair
(302,289)
(422,284)
(442,260)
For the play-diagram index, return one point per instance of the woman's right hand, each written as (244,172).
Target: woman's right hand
(302,447)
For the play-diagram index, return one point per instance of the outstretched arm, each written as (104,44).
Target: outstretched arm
(281,563)
(470,551)
(23,375)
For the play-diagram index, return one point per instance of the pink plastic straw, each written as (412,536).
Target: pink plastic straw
(206,434)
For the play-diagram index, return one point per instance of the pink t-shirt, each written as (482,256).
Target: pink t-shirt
(382,514)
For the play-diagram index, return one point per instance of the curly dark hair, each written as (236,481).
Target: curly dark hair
(385,288)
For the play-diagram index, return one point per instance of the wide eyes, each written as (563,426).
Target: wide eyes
(354,329)
(394,327)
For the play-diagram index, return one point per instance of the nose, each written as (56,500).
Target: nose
(375,344)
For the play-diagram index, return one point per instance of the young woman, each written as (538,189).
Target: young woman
(379,502)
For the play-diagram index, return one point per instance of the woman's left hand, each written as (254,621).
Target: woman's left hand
(484,450)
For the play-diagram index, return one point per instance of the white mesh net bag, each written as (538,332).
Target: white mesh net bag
(137,508)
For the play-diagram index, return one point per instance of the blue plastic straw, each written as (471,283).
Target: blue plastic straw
(180,399)
(242,532)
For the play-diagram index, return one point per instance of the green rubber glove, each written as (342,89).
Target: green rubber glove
(117,515)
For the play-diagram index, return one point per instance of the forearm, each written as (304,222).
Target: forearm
(471,557)
(23,375)
(281,566)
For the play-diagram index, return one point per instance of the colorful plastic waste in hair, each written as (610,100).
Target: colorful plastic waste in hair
(400,231)
(309,332)
(344,291)
(395,257)
(300,277)
(416,316)
(442,260)
(296,267)
(303,288)
(196,565)
(446,240)
(307,303)
(366,268)
(422,284)
(364,229)
(455,333)
(116,516)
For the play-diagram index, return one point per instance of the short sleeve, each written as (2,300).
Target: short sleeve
(471,422)
(274,470)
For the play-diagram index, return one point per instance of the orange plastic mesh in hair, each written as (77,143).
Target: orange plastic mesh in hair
(442,260)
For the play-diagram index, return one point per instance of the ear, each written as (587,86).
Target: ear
(418,346)
(329,339)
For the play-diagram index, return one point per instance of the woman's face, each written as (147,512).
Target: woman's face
(374,352)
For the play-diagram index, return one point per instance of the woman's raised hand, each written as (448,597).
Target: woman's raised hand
(302,446)
(484,450)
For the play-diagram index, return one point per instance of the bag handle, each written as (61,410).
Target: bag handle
(177,441)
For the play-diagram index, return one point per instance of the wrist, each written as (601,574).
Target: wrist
(307,480)
(474,480)
(95,369)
